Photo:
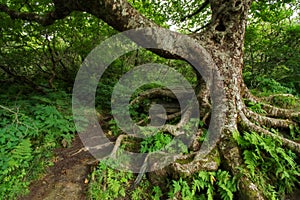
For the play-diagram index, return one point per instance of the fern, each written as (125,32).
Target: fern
(226,185)
(205,185)
(22,151)
(270,166)
(157,193)
(29,130)
(256,107)
(155,143)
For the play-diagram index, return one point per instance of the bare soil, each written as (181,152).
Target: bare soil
(68,178)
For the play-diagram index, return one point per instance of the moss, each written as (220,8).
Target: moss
(184,161)
(249,191)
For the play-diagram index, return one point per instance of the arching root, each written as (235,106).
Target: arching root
(268,121)
(271,111)
(283,118)
(294,146)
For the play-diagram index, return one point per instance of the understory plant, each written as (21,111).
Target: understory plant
(275,169)
(108,183)
(30,129)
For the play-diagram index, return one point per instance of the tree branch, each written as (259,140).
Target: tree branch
(22,79)
(118,14)
(45,20)
(153,93)
(203,6)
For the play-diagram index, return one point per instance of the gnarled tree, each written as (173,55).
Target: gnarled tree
(223,38)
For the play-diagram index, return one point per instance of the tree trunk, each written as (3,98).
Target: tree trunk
(224,39)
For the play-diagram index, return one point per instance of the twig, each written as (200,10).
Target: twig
(203,6)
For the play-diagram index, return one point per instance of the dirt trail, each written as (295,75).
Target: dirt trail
(67,178)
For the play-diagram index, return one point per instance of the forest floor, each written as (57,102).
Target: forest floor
(67,178)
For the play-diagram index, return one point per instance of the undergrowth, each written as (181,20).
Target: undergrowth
(107,183)
(30,128)
(274,169)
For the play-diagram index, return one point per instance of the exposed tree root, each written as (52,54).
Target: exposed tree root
(118,143)
(182,165)
(276,112)
(227,149)
(272,111)
(186,165)
(153,93)
(192,163)
(279,112)
(244,121)
(174,115)
(267,121)
(204,119)
(294,146)
(269,98)
(203,98)
(168,117)
(233,161)
(248,190)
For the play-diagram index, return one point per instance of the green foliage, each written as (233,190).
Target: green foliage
(265,86)
(146,191)
(14,162)
(162,142)
(271,49)
(32,125)
(157,193)
(149,9)
(113,126)
(39,56)
(294,132)
(271,166)
(205,185)
(29,132)
(107,183)
(282,101)
(273,11)
(155,143)
(256,107)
